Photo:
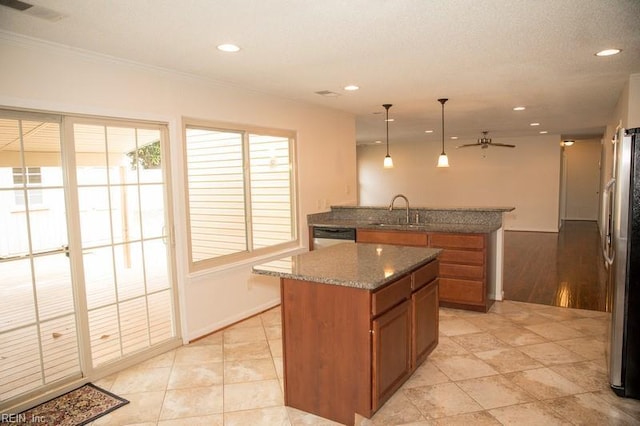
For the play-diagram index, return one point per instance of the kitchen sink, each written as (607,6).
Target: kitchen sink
(397,225)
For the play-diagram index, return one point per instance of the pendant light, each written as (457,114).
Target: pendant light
(443,160)
(388,162)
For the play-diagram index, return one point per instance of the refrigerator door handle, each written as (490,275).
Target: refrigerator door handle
(607,250)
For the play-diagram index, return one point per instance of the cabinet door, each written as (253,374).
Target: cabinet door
(425,322)
(391,352)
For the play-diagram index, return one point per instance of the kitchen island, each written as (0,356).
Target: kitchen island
(357,320)
(471,238)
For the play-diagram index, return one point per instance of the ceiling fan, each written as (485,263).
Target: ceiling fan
(485,142)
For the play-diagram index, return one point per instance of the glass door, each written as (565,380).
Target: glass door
(85,251)
(38,333)
(124,239)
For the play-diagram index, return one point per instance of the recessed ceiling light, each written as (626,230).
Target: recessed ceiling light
(568,142)
(534,124)
(608,52)
(378,142)
(390,119)
(543,132)
(228,48)
(351,87)
(428,131)
(519,108)
(454,137)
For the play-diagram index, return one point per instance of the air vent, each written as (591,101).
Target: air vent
(327,93)
(36,11)
(16,4)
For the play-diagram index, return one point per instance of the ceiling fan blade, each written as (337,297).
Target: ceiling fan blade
(506,145)
(468,145)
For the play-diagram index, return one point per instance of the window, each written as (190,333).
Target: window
(29,178)
(240,199)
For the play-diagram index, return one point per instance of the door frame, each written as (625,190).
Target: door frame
(70,184)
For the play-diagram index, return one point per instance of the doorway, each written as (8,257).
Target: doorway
(580,184)
(86,260)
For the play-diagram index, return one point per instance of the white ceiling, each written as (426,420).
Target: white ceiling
(486,56)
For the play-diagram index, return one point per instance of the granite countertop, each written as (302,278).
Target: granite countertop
(441,208)
(359,265)
(470,228)
(480,220)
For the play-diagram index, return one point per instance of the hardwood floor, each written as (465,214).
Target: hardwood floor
(559,269)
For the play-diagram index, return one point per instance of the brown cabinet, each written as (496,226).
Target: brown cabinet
(424,322)
(464,270)
(390,295)
(390,236)
(347,350)
(464,263)
(391,352)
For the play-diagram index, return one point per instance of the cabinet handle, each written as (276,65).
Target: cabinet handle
(371,332)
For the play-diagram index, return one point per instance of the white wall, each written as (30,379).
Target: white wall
(633,115)
(42,76)
(526,177)
(582,179)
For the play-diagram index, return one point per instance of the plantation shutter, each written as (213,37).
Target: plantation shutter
(240,192)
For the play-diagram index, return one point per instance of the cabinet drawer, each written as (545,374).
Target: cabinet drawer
(472,241)
(461,271)
(425,274)
(404,238)
(462,256)
(461,291)
(391,295)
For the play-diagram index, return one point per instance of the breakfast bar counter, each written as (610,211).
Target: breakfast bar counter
(357,320)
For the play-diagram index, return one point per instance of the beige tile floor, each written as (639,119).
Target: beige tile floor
(519,364)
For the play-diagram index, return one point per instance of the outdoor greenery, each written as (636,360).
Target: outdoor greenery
(147,156)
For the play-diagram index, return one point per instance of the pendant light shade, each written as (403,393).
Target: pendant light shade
(388,162)
(443,160)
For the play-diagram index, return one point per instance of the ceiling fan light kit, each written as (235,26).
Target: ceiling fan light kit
(443,160)
(485,142)
(388,161)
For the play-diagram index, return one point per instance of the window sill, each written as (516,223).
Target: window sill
(244,263)
(32,208)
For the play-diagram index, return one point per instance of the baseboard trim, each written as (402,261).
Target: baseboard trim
(532,230)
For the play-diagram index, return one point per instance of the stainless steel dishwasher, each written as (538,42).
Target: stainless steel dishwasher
(324,236)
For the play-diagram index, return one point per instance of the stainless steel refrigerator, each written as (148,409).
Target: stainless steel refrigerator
(622,255)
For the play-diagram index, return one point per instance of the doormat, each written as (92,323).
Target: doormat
(76,408)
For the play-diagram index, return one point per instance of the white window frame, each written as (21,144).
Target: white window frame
(251,253)
(31,194)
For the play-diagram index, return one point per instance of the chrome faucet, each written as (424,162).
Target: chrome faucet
(405,199)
